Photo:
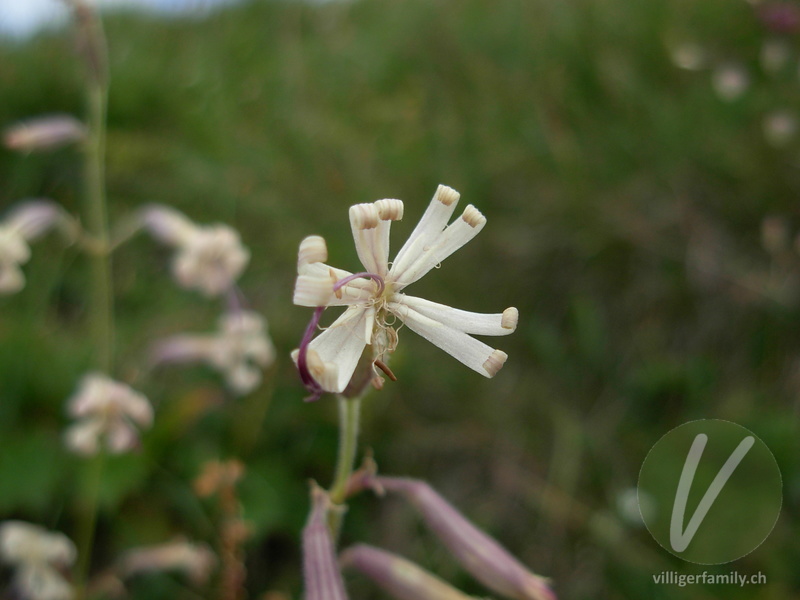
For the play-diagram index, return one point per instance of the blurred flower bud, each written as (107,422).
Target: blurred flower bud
(780,128)
(195,560)
(481,555)
(91,40)
(107,411)
(730,82)
(44,133)
(323,579)
(37,556)
(399,577)
(775,237)
(775,55)
(780,17)
(209,258)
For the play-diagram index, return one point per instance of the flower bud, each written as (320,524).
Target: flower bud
(323,579)
(399,577)
(44,133)
(481,555)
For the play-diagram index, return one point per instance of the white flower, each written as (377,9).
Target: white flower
(209,258)
(36,553)
(375,300)
(23,224)
(108,411)
(240,349)
(195,560)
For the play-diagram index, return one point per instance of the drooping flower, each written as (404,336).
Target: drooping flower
(194,560)
(37,555)
(401,578)
(108,412)
(240,349)
(22,225)
(209,258)
(480,554)
(323,579)
(375,300)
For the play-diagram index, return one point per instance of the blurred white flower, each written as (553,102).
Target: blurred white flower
(108,412)
(37,555)
(240,349)
(374,300)
(209,258)
(730,82)
(23,224)
(780,127)
(195,560)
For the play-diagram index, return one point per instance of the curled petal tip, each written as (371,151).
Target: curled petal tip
(446,195)
(510,318)
(495,362)
(389,209)
(364,216)
(313,249)
(473,217)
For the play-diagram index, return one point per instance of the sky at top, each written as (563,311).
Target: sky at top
(20,18)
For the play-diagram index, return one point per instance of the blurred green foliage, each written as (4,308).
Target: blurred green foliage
(624,203)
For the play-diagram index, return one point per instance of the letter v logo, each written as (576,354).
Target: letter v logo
(679,539)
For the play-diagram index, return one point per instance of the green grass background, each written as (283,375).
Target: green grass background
(624,202)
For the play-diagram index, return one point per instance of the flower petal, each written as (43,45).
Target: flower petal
(343,342)
(473,353)
(314,287)
(439,247)
(429,227)
(462,320)
(371,224)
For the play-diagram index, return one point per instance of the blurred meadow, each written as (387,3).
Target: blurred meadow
(638,217)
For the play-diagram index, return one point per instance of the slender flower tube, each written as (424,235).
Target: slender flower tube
(400,578)
(25,223)
(37,556)
(240,349)
(44,133)
(374,299)
(480,554)
(323,579)
(209,258)
(107,411)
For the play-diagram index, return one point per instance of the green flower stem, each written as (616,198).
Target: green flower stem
(88,521)
(349,415)
(101,307)
(101,311)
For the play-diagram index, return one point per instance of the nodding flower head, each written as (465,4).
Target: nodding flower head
(108,412)
(376,306)
(209,258)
